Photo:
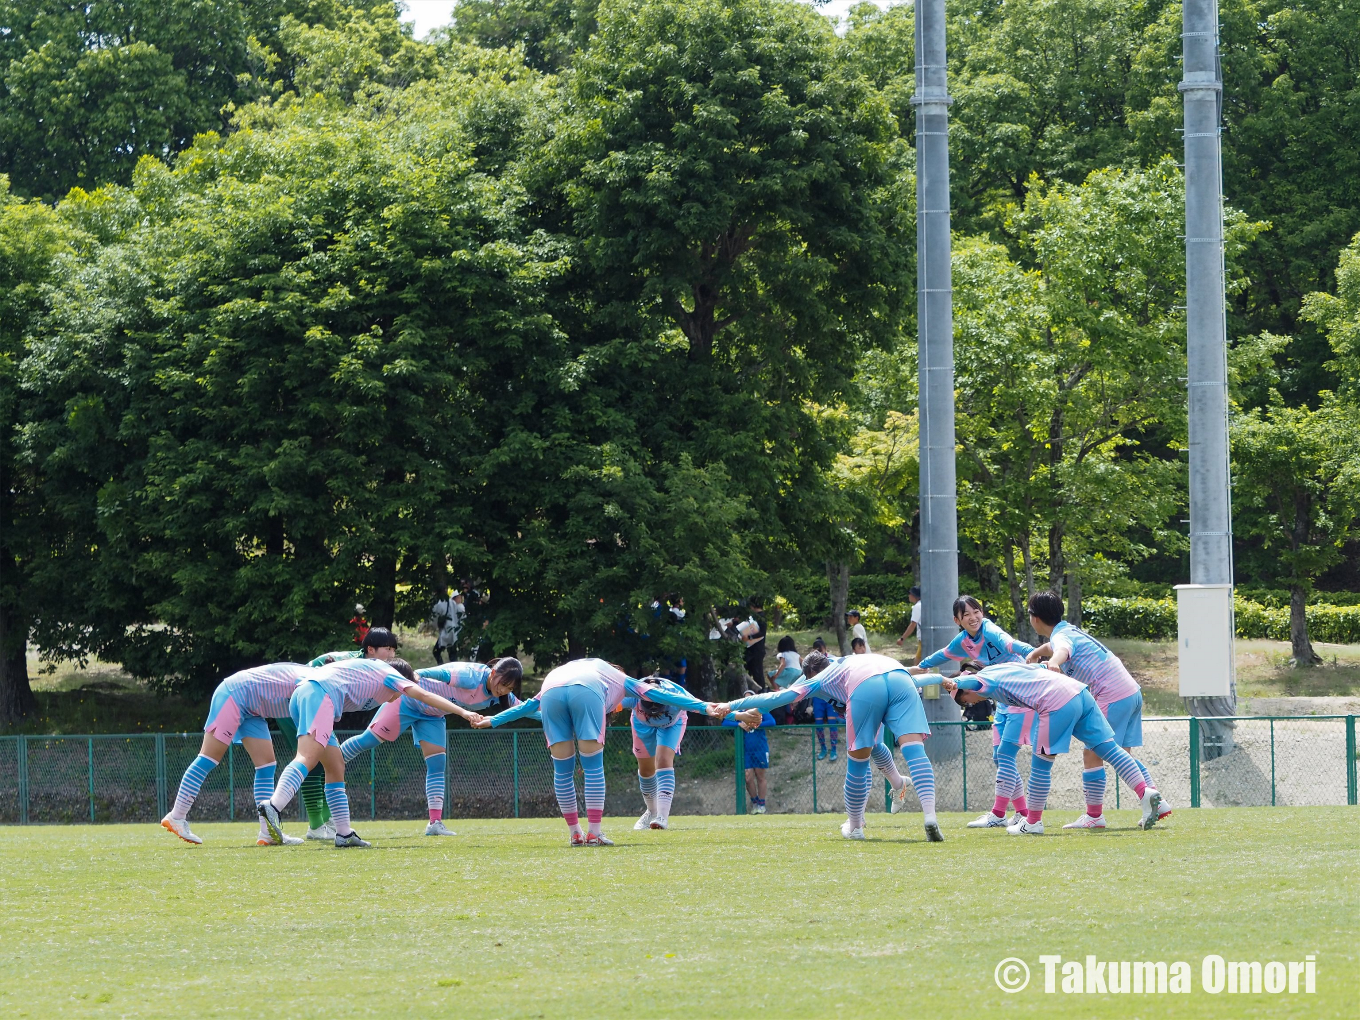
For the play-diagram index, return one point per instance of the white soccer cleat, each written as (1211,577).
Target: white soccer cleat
(438,828)
(578,839)
(352,839)
(324,834)
(1015,819)
(292,840)
(988,821)
(1087,822)
(645,822)
(899,800)
(598,839)
(180,827)
(1026,828)
(759,809)
(851,833)
(1164,811)
(272,822)
(1152,803)
(660,823)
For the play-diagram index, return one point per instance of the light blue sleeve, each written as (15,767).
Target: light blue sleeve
(925,679)
(778,699)
(953,650)
(665,693)
(525,709)
(1004,641)
(971,683)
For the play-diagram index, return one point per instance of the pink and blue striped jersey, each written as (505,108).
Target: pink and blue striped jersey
(1093,664)
(612,683)
(835,683)
(463,683)
(990,646)
(669,714)
(1022,685)
(265,690)
(358,685)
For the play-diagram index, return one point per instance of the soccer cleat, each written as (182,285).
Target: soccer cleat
(933,833)
(1164,811)
(899,800)
(266,840)
(578,839)
(351,840)
(661,823)
(180,827)
(324,834)
(438,828)
(1026,828)
(851,833)
(1087,822)
(1152,803)
(645,822)
(821,753)
(270,814)
(598,839)
(1015,819)
(759,809)
(987,821)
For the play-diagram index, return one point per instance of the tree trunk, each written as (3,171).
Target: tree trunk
(1029,566)
(383,608)
(16,696)
(439,577)
(838,576)
(1021,627)
(1300,647)
(1057,563)
(1074,598)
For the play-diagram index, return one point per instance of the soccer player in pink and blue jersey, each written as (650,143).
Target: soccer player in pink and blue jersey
(240,712)
(1077,654)
(875,691)
(574,700)
(657,731)
(1064,709)
(327,693)
(471,684)
(981,640)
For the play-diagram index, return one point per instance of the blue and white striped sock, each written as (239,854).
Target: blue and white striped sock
(564,788)
(293,775)
(665,792)
(1147,776)
(338,802)
(1093,785)
(592,769)
(647,784)
(1040,779)
(435,767)
(190,784)
(358,744)
(1007,777)
(1129,770)
(264,781)
(883,761)
(922,778)
(857,783)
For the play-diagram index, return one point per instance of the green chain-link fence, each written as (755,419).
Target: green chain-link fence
(1242,761)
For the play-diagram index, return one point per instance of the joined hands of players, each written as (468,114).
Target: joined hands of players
(749,719)
(479,722)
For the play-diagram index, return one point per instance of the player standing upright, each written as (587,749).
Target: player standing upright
(1077,654)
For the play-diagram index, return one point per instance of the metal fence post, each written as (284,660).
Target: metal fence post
(514,747)
(160,774)
(372,783)
(814,770)
(739,756)
(1194,761)
(22,753)
(1350,761)
(90,749)
(231,782)
(963,756)
(1272,761)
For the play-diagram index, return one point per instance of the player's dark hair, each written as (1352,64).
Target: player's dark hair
(914,590)
(786,644)
(965,602)
(852,612)
(814,662)
(1047,606)
(652,709)
(818,645)
(379,637)
(970,666)
(404,668)
(507,667)
(859,643)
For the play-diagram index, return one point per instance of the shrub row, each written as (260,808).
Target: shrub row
(1156,618)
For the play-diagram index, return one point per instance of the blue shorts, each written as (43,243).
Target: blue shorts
(889,699)
(312,713)
(1081,718)
(1125,717)
(822,711)
(575,712)
(228,723)
(757,750)
(646,737)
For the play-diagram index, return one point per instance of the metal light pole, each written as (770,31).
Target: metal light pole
(935,329)
(1206,624)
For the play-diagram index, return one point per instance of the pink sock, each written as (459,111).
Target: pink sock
(999,808)
(1095,810)
(1035,817)
(436,814)
(1139,790)
(1019,803)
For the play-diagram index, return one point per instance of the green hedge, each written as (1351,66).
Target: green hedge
(1156,618)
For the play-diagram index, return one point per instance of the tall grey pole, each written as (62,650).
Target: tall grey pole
(935,330)
(1211,560)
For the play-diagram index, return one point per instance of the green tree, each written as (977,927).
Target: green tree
(549,32)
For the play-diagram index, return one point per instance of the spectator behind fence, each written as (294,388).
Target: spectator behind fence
(857,631)
(914,627)
(788,670)
(859,647)
(757,758)
(446,616)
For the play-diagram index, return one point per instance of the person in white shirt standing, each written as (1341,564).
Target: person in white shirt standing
(914,627)
(447,618)
(857,629)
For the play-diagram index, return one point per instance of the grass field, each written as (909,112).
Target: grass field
(719,917)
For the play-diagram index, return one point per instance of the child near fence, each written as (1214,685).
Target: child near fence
(470,684)
(756,756)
